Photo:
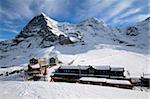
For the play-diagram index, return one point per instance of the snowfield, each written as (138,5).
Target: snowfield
(111,57)
(46,90)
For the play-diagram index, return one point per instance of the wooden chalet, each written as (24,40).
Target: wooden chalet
(38,67)
(106,82)
(34,69)
(73,73)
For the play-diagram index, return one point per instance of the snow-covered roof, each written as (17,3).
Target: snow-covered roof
(73,67)
(35,66)
(116,76)
(134,76)
(73,39)
(110,81)
(93,79)
(85,67)
(101,67)
(146,76)
(117,69)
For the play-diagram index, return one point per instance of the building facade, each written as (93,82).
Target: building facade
(73,73)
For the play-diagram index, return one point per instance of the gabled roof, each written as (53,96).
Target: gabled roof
(33,59)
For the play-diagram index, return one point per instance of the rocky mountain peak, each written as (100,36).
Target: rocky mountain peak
(41,27)
(42,20)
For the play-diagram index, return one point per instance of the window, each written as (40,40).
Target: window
(67,71)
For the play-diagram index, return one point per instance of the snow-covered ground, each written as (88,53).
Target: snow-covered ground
(46,90)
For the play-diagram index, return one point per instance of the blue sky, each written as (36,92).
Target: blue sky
(15,14)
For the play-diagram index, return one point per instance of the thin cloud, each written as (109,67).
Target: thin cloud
(140,17)
(14,9)
(118,8)
(130,12)
(9,30)
(131,20)
(94,8)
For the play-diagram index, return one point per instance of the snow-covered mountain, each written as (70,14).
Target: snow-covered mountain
(42,30)
(43,35)
(139,34)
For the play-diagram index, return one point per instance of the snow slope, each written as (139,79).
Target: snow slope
(139,34)
(111,57)
(45,90)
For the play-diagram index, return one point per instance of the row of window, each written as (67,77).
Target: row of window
(114,73)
